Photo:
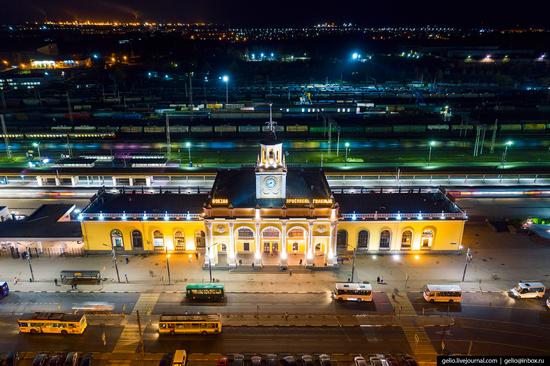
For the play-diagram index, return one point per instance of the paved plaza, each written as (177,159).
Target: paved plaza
(499,260)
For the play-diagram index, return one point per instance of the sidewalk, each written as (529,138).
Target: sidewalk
(499,261)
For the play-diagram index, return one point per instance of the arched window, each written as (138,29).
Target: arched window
(342,240)
(137,239)
(363,240)
(200,239)
(406,239)
(158,239)
(245,233)
(385,239)
(116,239)
(179,240)
(427,238)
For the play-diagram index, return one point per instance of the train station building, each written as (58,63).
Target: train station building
(272,215)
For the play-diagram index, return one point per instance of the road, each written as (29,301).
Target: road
(492,321)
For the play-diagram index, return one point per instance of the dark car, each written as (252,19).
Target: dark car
(71,359)
(271,359)
(40,359)
(57,359)
(307,360)
(289,361)
(8,358)
(256,361)
(86,360)
(392,361)
(238,360)
(359,361)
(166,359)
(324,360)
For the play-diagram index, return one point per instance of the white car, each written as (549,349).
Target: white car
(548,303)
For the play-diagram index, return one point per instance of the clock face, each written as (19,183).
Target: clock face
(270,182)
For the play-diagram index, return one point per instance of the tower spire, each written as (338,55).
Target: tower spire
(271,124)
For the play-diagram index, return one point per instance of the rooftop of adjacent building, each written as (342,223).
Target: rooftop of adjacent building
(48,221)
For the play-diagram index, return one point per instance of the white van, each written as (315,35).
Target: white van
(528,290)
(442,293)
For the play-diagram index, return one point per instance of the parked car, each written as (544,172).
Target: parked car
(392,361)
(238,360)
(324,360)
(359,361)
(307,360)
(57,359)
(40,359)
(86,360)
(180,358)
(166,359)
(256,360)
(271,359)
(548,303)
(71,359)
(8,358)
(289,361)
(222,361)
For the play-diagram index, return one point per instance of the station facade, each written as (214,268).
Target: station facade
(273,215)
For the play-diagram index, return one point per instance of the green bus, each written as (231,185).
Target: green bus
(205,291)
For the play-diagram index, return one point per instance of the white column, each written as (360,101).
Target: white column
(57,181)
(131,181)
(148,181)
(309,251)
(332,257)
(114,181)
(232,260)
(283,260)
(258,252)
(210,249)
(39,181)
(74,181)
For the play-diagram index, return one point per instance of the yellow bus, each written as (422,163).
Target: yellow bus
(52,323)
(190,324)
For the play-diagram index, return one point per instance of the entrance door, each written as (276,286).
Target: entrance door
(267,247)
(275,247)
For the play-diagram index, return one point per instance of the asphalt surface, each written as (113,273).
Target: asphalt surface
(495,323)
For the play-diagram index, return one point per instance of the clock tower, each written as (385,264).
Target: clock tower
(271,167)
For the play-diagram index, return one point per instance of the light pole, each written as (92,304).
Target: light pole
(29,260)
(225,79)
(353,264)
(431,144)
(188,146)
(168,265)
(468,260)
(37,145)
(505,152)
(347,149)
(115,261)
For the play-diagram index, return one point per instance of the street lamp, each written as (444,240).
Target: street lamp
(507,145)
(168,265)
(37,145)
(431,144)
(225,79)
(347,149)
(114,260)
(29,260)
(188,146)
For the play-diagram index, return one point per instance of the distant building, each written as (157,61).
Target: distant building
(273,215)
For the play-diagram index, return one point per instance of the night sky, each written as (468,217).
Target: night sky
(287,12)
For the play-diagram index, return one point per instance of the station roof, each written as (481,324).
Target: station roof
(138,203)
(44,223)
(392,203)
(239,187)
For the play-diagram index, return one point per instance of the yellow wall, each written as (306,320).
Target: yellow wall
(97,233)
(445,233)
